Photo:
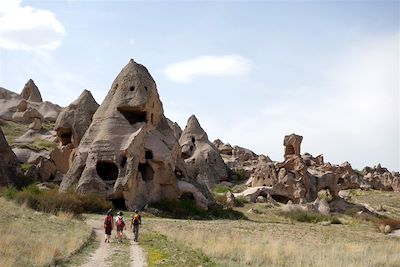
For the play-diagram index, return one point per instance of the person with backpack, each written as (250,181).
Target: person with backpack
(135,222)
(120,225)
(108,225)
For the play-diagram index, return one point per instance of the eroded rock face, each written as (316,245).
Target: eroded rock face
(31,92)
(27,107)
(292,145)
(202,158)
(75,119)
(380,178)
(129,153)
(9,164)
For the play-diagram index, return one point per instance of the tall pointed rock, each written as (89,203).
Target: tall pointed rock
(31,92)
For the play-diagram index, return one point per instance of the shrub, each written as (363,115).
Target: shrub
(10,192)
(241,200)
(310,217)
(221,189)
(240,174)
(52,201)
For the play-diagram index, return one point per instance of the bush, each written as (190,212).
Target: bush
(310,217)
(240,174)
(10,192)
(187,209)
(53,201)
(241,200)
(221,189)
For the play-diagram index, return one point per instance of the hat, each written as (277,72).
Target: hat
(119,213)
(135,211)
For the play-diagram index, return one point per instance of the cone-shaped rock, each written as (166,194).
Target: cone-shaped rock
(9,164)
(75,119)
(31,92)
(203,158)
(129,152)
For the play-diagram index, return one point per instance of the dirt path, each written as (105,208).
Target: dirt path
(137,255)
(103,251)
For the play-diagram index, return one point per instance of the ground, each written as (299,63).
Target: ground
(266,238)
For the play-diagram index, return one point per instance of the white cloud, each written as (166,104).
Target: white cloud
(27,28)
(186,71)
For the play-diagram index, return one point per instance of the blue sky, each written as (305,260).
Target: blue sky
(251,71)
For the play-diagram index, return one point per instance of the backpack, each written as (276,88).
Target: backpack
(136,219)
(108,221)
(120,223)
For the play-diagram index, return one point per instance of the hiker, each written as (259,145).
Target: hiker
(135,222)
(120,225)
(108,225)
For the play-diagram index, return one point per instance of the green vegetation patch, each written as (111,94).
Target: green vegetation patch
(52,201)
(187,209)
(13,130)
(48,126)
(310,217)
(39,144)
(163,252)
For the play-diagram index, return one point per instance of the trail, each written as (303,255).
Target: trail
(105,250)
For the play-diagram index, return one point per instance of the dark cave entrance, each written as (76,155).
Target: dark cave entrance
(340,181)
(107,171)
(148,154)
(118,203)
(65,136)
(280,198)
(146,171)
(132,115)
(187,197)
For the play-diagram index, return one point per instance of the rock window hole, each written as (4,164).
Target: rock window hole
(148,154)
(107,171)
(133,116)
(116,85)
(187,197)
(146,171)
(193,139)
(132,88)
(145,88)
(123,162)
(191,148)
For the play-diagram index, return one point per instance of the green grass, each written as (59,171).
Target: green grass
(48,126)
(25,167)
(221,189)
(13,130)
(163,252)
(310,217)
(121,254)
(39,144)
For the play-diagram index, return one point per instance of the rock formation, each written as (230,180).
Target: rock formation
(292,145)
(31,92)
(202,158)
(129,153)
(9,164)
(27,107)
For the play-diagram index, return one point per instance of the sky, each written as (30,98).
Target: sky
(251,71)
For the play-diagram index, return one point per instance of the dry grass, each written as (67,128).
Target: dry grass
(269,239)
(30,238)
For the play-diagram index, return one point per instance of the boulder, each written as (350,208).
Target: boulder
(202,158)
(9,164)
(36,124)
(129,152)
(230,199)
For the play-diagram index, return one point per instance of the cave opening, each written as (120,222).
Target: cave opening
(118,203)
(123,161)
(146,171)
(65,136)
(132,115)
(107,171)
(148,154)
(280,198)
(340,181)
